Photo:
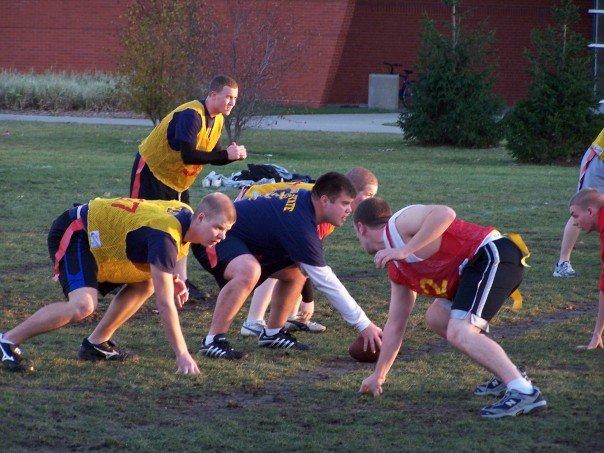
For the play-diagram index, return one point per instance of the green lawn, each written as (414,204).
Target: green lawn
(309,401)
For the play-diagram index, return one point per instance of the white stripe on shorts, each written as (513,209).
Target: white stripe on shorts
(491,267)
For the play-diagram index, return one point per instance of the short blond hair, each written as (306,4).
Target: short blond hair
(585,198)
(215,204)
(361,178)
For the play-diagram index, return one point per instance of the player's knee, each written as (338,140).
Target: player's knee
(247,276)
(432,320)
(457,332)
(82,309)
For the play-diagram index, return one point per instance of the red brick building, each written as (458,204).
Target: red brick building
(343,40)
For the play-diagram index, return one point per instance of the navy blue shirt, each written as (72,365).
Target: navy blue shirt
(280,225)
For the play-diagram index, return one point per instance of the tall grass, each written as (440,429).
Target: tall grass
(62,91)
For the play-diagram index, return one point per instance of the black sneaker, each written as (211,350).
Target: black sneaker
(195,294)
(281,340)
(107,350)
(12,358)
(220,349)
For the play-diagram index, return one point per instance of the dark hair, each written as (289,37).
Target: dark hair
(220,81)
(373,212)
(332,185)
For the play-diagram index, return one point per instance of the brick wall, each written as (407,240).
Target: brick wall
(341,41)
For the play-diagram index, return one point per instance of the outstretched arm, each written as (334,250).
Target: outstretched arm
(163,283)
(402,300)
(327,282)
(596,338)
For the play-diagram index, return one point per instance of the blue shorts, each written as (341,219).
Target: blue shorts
(78,267)
(231,248)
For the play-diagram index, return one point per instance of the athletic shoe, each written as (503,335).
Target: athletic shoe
(514,403)
(281,340)
(195,294)
(564,270)
(220,349)
(293,325)
(495,386)
(12,357)
(252,328)
(107,350)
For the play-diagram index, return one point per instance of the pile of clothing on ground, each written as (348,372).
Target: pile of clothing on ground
(255,174)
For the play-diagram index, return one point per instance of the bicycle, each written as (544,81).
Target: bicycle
(405,92)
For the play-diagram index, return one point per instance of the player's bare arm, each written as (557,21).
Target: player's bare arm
(420,226)
(402,300)
(163,283)
(596,338)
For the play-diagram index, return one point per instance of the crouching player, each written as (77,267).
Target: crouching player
(277,237)
(99,246)
(587,212)
(426,248)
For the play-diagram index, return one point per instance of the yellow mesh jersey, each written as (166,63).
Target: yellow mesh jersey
(109,222)
(165,163)
(598,144)
(261,190)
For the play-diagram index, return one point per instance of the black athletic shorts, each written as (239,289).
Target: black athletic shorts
(151,188)
(487,281)
(78,267)
(229,249)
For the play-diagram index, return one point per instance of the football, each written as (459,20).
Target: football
(356,352)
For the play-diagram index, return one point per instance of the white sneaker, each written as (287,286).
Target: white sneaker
(564,269)
(294,324)
(252,328)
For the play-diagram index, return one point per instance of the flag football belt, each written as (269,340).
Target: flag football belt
(136,184)
(75,225)
(517,239)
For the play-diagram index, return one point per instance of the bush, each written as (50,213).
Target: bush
(555,123)
(165,53)
(61,91)
(453,102)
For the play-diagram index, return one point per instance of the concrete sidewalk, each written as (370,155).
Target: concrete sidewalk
(357,122)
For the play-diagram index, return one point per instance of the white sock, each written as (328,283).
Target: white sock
(522,385)
(271,332)
(209,339)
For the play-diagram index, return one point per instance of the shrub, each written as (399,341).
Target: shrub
(453,102)
(61,91)
(555,123)
(164,59)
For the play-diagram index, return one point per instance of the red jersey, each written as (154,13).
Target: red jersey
(601,228)
(437,275)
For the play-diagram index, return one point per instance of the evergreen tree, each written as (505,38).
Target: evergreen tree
(555,123)
(453,102)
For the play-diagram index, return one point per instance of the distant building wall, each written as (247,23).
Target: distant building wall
(344,40)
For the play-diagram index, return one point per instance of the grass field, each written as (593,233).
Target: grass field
(272,401)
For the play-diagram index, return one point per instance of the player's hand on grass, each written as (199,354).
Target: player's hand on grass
(383,256)
(236,152)
(186,364)
(306,311)
(372,337)
(373,385)
(181,292)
